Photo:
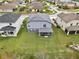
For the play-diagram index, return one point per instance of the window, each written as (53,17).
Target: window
(2,33)
(70,24)
(61,20)
(28,25)
(44,25)
(10,23)
(77,23)
(10,33)
(53,19)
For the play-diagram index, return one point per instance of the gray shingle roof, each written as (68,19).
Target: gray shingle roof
(8,28)
(9,18)
(67,17)
(38,20)
(39,17)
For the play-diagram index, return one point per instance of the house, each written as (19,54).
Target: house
(77,3)
(50,0)
(36,6)
(32,0)
(55,1)
(40,23)
(7,7)
(20,2)
(68,5)
(10,24)
(68,22)
(58,1)
(65,0)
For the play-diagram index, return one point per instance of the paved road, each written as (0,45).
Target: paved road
(54,15)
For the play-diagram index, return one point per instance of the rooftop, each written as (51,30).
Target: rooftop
(9,18)
(67,17)
(8,28)
(36,5)
(39,17)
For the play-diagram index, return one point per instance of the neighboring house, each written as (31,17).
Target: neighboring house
(50,0)
(32,0)
(16,2)
(58,1)
(37,6)
(69,22)
(7,7)
(65,0)
(20,2)
(55,1)
(68,4)
(10,24)
(40,23)
(77,3)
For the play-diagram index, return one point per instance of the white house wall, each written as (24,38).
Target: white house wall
(65,0)
(6,10)
(61,23)
(74,23)
(3,25)
(77,3)
(19,23)
(64,25)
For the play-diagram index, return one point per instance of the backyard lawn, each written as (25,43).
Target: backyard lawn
(27,44)
(30,43)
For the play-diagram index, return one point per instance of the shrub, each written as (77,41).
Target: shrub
(14,9)
(76,7)
(70,43)
(58,26)
(65,7)
(22,9)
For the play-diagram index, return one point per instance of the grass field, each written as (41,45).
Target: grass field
(26,43)
(31,43)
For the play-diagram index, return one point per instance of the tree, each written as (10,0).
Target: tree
(22,9)
(65,7)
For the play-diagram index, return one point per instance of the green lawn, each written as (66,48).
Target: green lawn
(48,11)
(30,43)
(69,10)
